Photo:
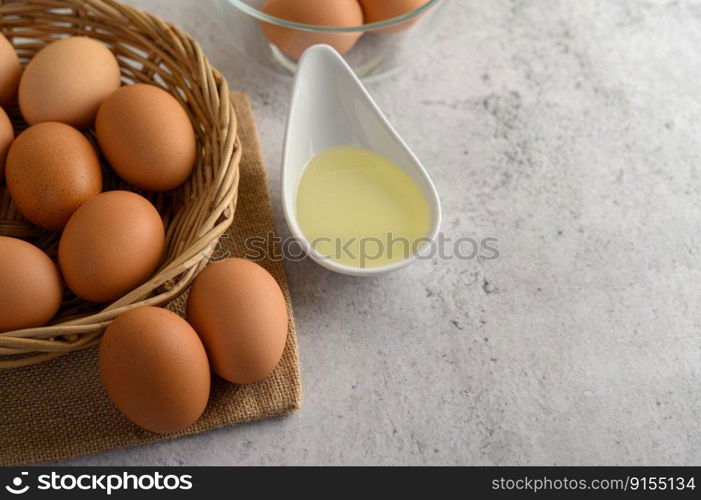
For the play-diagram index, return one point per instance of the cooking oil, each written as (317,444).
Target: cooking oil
(359,209)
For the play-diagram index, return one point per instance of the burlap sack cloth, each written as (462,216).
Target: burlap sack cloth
(59,410)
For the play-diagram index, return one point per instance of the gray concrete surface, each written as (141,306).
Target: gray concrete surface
(570,132)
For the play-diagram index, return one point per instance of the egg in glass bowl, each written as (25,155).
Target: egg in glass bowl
(375,37)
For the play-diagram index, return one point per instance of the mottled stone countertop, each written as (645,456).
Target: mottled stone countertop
(570,132)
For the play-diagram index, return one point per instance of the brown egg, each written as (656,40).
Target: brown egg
(67,81)
(155,369)
(329,13)
(30,286)
(10,72)
(51,170)
(7,135)
(238,310)
(111,245)
(147,137)
(377,11)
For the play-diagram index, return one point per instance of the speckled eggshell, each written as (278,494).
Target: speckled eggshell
(336,13)
(155,369)
(30,286)
(51,170)
(147,137)
(111,245)
(10,72)
(7,135)
(239,311)
(66,82)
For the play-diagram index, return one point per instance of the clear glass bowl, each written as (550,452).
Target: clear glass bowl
(381,47)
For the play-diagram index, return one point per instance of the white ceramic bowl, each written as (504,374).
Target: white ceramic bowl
(331,107)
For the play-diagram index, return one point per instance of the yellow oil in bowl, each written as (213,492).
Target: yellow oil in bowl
(359,209)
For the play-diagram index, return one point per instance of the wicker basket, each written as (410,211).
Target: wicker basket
(195,215)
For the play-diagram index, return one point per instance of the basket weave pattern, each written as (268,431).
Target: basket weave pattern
(149,50)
